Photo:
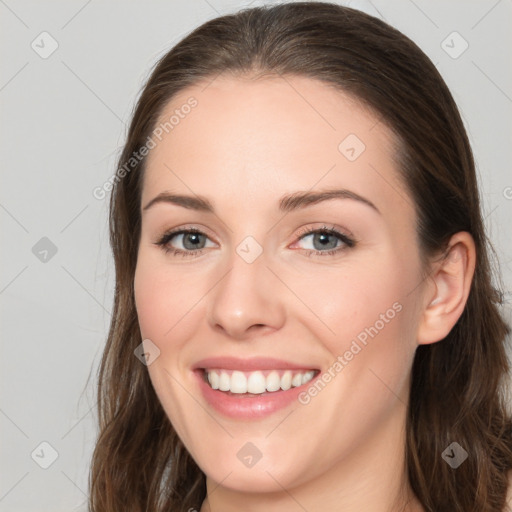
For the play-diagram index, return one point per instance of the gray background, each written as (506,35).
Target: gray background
(63,122)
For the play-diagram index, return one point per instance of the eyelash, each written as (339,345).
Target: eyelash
(167,237)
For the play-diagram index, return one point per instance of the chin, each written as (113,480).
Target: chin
(265,474)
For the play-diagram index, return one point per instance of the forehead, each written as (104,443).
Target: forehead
(258,139)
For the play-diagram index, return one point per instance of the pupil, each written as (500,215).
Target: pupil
(192,238)
(324,240)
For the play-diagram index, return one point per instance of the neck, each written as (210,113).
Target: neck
(373,477)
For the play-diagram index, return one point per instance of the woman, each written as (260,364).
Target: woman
(302,273)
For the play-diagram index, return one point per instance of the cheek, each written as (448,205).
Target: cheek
(166,316)
(149,299)
(352,300)
(365,316)
(165,300)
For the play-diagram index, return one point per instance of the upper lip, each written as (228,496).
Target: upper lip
(251,364)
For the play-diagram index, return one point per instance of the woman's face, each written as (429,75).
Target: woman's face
(256,301)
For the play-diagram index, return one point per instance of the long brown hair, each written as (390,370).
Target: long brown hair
(457,391)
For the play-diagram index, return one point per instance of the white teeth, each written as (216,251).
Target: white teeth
(307,376)
(256,382)
(213,379)
(286,380)
(238,382)
(273,381)
(296,381)
(224,382)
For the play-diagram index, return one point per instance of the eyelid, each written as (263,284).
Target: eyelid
(328,228)
(187,228)
(341,234)
(346,238)
(171,233)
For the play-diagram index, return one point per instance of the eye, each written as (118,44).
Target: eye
(326,241)
(192,239)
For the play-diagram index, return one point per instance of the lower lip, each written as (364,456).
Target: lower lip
(249,407)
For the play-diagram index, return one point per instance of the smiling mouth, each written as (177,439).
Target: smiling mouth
(256,383)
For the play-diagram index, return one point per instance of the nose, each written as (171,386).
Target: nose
(246,301)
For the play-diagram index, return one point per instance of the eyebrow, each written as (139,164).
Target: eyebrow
(287,203)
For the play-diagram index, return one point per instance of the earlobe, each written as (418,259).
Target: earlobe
(451,279)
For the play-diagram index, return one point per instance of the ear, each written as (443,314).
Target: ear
(449,284)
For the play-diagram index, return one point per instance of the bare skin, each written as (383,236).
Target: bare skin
(245,145)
